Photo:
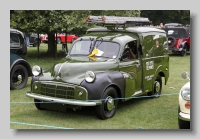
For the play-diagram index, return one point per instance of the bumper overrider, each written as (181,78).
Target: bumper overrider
(184,116)
(63,93)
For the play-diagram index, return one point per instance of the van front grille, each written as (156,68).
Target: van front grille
(57,91)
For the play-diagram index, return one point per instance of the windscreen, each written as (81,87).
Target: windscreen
(105,48)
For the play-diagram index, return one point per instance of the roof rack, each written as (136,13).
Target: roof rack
(117,20)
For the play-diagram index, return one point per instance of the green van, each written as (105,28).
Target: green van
(107,65)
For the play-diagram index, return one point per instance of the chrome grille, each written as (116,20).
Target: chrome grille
(57,91)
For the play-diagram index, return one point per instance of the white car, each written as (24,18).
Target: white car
(184,104)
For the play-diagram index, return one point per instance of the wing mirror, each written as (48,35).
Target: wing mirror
(185,75)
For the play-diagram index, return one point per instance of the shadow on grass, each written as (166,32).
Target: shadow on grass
(86,112)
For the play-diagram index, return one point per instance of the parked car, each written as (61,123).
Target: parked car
(168,25)
(184,104)
(17,42)
(61,38)
(179,38)
(103,67)
(34,40)
(20,69)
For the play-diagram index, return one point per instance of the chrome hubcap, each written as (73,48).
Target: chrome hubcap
(19,77)
(110,103)
(157,86)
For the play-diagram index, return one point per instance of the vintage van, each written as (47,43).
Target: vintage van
(107,65)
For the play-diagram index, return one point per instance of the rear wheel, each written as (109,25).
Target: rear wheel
(109,104)
(157,87)
(172,41)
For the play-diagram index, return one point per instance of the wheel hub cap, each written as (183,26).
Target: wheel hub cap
(19,77)
(110,103)
(157,86)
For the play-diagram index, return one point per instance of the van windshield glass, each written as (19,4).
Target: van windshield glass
(105,48)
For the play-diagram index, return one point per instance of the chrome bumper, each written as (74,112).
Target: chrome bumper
(64,101)
(183,116)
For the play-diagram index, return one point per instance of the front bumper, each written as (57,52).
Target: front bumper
(184,116)
(64,101)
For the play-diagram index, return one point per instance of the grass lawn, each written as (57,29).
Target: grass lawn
(137,113)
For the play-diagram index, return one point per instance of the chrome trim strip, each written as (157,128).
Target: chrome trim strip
(137,92)
(63,101)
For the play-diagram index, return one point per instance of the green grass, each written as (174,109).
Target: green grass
(138,113)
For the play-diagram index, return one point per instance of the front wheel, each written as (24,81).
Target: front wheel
(18,77)
(37,104)
(109,104)
(157,87)
(184,51)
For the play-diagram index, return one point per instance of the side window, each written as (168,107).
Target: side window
(130,51)
(154,45)
(14,40)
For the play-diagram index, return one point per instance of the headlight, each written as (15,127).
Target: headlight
(185,93)
(89,76)
(36,70)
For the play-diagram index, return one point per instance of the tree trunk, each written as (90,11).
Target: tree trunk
(52,46)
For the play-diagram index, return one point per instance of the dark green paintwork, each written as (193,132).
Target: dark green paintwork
(139,80)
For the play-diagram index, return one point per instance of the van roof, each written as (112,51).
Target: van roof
(136,29)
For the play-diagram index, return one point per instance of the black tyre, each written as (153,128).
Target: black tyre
(183,124)
(157,87)
(37,104)
(109,104)
(184,50)
(18,77)
(58,41)
(173,41)
(36,43)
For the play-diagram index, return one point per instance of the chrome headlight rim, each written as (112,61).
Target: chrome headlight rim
(185,93)
(90,76)
(36,70)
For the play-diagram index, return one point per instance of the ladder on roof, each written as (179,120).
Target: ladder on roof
(117,20)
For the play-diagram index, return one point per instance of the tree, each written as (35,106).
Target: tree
(58,21)
(167,16)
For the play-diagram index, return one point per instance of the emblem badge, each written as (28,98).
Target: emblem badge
(58,78)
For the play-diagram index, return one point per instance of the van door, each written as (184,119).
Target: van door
(132,71)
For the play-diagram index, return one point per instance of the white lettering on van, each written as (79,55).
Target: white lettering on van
(149,77)
(149,65)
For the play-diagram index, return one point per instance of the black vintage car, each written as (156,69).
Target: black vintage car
(34,40)
(20,69)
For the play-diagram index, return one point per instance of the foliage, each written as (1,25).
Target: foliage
(72,21)
(167,16)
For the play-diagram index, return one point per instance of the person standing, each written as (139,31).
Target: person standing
(27,35)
